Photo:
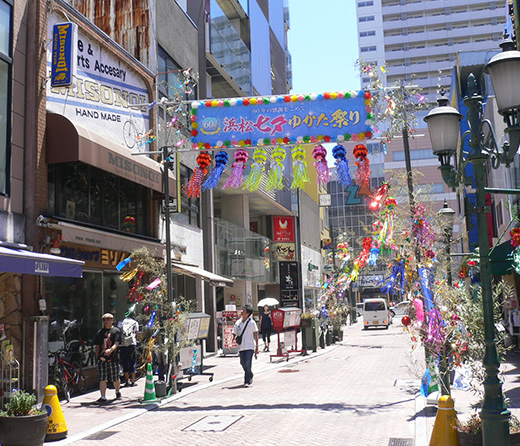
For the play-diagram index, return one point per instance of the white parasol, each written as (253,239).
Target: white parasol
(269,301)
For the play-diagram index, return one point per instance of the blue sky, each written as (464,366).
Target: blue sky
(323,44)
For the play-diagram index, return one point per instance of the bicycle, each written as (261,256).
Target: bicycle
(133,135)
(66,375)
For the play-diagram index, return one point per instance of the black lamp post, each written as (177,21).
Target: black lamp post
(447,216)
(443,125)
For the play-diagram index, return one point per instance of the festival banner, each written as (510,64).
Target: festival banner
(289,119)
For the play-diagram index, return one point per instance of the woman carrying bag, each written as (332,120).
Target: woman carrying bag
(266,326)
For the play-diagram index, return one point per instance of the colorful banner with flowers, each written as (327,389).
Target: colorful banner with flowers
(274,120)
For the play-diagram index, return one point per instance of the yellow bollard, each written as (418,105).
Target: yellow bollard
(444,430)
(56,425)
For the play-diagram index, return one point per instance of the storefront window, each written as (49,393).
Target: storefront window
(5,93)
(86,194)
(189,206)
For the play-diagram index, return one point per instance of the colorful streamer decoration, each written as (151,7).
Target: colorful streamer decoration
(252,182)
(342,169)
(221,159)
(123,263)
(363,172)
(236,177)
(129,275)
(275,180)
(422,230)
(154,284)
(192,188)
(515,237)
(300,175)
(379,197)
(131,291)
(319,153)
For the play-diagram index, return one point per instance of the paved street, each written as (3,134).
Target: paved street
(344,396)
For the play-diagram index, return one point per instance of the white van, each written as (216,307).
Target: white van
(375,313)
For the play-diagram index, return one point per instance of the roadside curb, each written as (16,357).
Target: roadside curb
(153,406)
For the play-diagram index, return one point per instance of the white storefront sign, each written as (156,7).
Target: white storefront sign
(103,93)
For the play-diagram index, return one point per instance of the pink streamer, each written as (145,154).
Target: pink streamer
(154,284)
(238,167)
(419,309)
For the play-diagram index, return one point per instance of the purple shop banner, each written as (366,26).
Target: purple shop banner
(273,120)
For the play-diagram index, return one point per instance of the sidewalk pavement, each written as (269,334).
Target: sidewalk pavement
(467,402)
(86,423)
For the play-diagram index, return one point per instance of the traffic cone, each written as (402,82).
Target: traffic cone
(444,431)
(149,388)
(56,425)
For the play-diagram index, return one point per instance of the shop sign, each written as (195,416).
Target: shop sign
(105,93)
(98,258)
(272,120)
(283,251)
(63,63)
(283,229)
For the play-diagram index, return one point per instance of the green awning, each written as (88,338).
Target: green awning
(502,259)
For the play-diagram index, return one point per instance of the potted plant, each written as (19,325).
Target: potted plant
(306,319)
(21,423)
(470,431)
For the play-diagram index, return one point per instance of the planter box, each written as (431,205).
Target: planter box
(310,335)
(27,431)
(476,439)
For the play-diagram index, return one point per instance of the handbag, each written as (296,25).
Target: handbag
(239,337)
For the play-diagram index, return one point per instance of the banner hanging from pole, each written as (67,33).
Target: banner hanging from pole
(274,120)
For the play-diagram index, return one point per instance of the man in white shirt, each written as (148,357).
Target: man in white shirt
(246,328)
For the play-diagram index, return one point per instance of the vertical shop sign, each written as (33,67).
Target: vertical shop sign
(289,284)
(64,60)
(283,229)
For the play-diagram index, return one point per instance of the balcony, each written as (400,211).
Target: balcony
(231,57)
(242,254)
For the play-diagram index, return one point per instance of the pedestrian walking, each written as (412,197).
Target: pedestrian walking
(266,326)
(107,342)
(128,349)
(245,332)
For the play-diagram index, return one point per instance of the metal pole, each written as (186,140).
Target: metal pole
(169,279)
(494,414)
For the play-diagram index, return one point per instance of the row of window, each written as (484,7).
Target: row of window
(6,62)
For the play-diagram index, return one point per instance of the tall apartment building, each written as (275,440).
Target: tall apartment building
(419,40)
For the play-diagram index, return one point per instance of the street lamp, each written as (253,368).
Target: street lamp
(447,215)
(443,126)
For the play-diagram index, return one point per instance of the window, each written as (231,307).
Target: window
(80,192)
(367,33)
(366,49)
(369,18)
(171,82)
(189,206)
(420,154)
(366,3)
(6,62)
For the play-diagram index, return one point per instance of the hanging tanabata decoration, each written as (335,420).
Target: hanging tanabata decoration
(363,172)
(319,153)
(123,263)
(423,232)
(342,169)
(362,258)
(192,188)
(236,177)
(300,175)
(131,291)
(221,159)
(275,180)
(379,197)
(254,179)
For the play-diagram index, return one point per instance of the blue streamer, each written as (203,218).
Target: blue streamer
(372,258)
(123,263)
(150,323)
(426,277)
(342,169)
(221,159)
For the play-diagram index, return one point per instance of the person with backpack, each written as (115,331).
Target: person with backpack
(128,350)
(245,333)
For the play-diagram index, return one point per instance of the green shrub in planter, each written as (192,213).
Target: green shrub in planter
(21,423)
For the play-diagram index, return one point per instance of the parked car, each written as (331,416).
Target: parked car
(401,309)
(359,309)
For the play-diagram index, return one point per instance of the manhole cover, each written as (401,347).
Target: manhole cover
(213,423)
(287,371)
(401,442)
(101,435)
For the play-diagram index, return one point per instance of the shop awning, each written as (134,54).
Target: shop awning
(27,262)
(68,142)
(199,273)
(502,259)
